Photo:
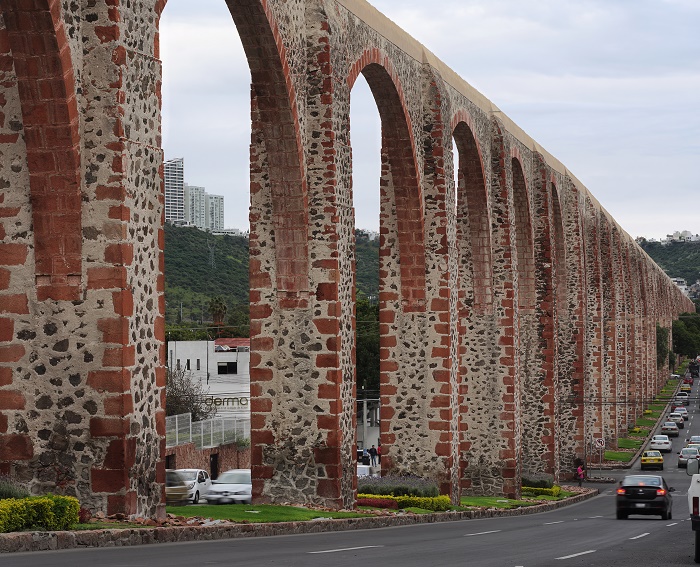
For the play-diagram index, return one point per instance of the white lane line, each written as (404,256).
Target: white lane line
(641,535)
(593,517)
(482,533)
(673,524)
(345,549)
(550,523)
(576,554)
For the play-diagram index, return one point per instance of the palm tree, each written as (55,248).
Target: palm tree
(218,308)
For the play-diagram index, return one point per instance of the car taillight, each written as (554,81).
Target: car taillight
(696,506)
(620,490)
(660,491)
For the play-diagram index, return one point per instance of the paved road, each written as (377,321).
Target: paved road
(583,534)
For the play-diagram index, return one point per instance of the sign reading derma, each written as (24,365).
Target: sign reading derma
(228,402)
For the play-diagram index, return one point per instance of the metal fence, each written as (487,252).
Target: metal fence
(180,429)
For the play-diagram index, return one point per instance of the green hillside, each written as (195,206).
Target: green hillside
(200,266)
(677,259)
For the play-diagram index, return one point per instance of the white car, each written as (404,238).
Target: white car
(660,443)
(683,411)
(682,398)
(232,487)
(198,483)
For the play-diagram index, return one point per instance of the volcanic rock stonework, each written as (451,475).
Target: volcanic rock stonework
(511,304)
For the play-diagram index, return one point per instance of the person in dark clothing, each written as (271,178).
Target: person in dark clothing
(373,455)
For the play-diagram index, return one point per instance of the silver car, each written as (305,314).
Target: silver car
(232,487)
(685,455)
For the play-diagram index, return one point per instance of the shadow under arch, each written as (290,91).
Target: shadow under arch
(400,188)
(51,134)
(524,240)
(276,151)
(473,219)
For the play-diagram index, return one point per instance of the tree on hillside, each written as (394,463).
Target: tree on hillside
(367,350)
(661,346)
(686,335)
(218,309)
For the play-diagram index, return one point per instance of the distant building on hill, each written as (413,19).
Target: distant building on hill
(683,236)
(190,205)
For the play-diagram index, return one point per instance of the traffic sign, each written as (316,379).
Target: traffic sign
(600,443)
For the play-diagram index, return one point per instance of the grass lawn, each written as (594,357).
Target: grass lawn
(493,502)
(630,443)
(618,455)
(256,513)
(646,422)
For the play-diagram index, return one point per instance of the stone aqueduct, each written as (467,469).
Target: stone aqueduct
(517,318)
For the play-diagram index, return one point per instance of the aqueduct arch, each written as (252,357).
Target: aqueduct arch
(509,297)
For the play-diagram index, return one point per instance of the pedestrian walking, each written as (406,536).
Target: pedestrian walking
(579,474)
(373,455)
(379,454)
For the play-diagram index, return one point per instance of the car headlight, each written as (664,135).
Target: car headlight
(190,486)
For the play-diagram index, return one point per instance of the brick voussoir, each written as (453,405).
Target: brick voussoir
(42,541)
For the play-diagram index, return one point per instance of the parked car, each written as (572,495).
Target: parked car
(198,483)
(234,486)
(644,494)
(652,460)
(677,418)
(660,443)
(683,411)
(175,488)
(687,454)
(669,428)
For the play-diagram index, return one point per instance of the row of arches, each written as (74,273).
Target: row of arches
(511,305)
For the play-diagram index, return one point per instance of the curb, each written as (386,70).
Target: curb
(49,541)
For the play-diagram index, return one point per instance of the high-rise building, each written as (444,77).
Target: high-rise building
(195,206)
(191,205)
(174,190)
(215,212)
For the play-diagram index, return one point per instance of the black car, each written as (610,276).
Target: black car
(644,494)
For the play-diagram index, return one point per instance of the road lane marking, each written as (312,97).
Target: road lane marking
(345,549)
(642,535)
(550,523)
(673,524)
(576,554)
(482,533)
(594,517)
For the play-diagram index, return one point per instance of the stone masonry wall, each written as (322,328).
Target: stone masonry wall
(510,302)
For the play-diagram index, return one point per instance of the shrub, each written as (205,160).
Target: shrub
(538,481)
(535,491)
(10,488)
(48,512)
(398,486)
(435,503)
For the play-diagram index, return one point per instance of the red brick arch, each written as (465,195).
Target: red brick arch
(46,84)
(400,162)
(524,234)
(473,210)
(275,116)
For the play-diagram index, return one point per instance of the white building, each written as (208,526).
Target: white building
(214,207)
(222,367)
(175,191)
(195,205)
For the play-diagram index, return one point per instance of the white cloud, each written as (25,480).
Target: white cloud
(609,87)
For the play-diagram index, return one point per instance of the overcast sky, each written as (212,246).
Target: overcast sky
(611,88)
